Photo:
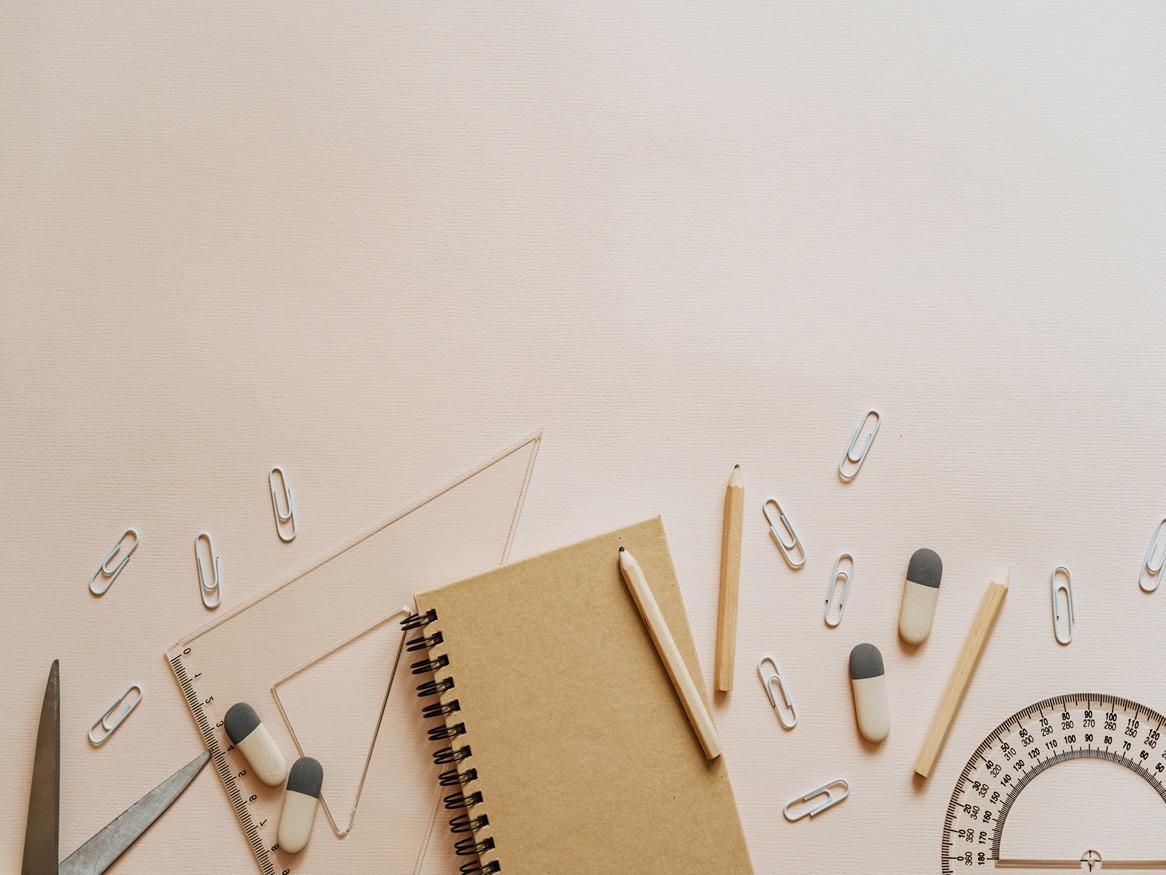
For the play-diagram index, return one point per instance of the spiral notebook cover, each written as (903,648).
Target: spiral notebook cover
(555,718)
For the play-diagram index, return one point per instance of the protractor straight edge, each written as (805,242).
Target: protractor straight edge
(1032,742)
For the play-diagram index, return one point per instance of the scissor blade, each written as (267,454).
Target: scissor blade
(99,853)
(41,830)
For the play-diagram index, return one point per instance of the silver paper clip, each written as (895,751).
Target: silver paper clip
(115,715)
(846,574)
(774,681)
(787,548)
(1150,569)
(1061,582)
(850,464)
(282,519)
(211,593)
(109,575)
(835,792)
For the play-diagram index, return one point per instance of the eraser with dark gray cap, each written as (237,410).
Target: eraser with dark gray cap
(920,593)
(251,737)
(868,683)
(299,804)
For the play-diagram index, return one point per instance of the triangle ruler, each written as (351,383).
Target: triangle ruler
(319,658)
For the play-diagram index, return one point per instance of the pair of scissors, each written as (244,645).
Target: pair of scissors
(42,829)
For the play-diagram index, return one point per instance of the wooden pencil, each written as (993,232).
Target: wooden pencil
(960,676)
(686,688)
(730,581)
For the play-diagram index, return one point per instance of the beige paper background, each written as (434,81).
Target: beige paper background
(377,243)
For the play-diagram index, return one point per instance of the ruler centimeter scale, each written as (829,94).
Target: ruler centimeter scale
(1033,740)
(232,770)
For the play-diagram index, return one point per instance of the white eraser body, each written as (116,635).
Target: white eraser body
(872,708)
(917,611)
(264,756)
(295,821)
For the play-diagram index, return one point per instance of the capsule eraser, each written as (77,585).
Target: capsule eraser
(299,804)
(251,737)
(920,593)
(868,683)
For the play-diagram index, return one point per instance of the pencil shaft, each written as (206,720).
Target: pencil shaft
(686,688)
(730,581)
(960,676)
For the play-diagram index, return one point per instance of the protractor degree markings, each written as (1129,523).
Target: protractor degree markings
(967,818)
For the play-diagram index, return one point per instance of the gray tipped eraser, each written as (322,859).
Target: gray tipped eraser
(868,683)
(920,594)
(865,662)
(240,721)
(306,776)
(299,805)
(925,567)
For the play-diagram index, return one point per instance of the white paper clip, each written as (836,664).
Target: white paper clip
(1151,570)
(845,574)
(210,591)
(835,792)
(773,681)
(109,575)
(115,715)
(786,547)
(850,464)
(282,519)
(1061,582)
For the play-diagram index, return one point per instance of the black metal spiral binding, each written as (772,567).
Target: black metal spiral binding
(441,709)
(453,777)
(464,823)
(445,733)
(425,666)
(456,801)
(470,846)
(434,688)
(478,868)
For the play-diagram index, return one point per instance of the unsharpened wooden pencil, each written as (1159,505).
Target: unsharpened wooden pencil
(960,676)
(686,689)
(730,581)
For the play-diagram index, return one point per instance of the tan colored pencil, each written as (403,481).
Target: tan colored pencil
(686,688)
(960,676)
(730,581)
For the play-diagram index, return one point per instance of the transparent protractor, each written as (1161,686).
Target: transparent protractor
(1074,783)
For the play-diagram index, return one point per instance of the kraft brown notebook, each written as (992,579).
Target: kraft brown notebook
(555,722)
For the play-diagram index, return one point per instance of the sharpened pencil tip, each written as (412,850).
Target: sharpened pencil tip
(622,550)
(736,467)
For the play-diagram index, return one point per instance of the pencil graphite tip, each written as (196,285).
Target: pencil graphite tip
(623,549)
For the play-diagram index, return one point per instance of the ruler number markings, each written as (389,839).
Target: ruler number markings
(231,779)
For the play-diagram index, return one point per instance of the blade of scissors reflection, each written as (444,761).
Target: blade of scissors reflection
(100,852)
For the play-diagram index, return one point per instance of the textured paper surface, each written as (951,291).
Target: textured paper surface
(373,243)
(583,753)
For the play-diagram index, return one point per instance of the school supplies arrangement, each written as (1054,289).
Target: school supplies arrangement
(572,727)
(42,830)
(559,724)
(318,660)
